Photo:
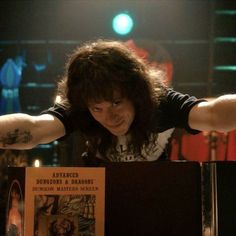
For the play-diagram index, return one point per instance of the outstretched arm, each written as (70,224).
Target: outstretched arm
(22,131)
(214,115)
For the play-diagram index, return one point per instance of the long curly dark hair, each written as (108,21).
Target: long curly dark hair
(93,72)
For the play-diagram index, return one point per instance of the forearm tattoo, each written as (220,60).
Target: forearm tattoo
(16,136)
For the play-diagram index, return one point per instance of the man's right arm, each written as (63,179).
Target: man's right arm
(22,131)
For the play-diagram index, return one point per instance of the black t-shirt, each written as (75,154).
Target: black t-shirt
(172,113)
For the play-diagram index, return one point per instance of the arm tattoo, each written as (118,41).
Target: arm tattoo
(15,137)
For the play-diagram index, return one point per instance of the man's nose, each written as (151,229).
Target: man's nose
(110,115)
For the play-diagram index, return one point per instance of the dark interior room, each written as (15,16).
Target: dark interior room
(193,42)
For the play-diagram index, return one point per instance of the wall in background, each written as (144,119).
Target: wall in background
(199,37)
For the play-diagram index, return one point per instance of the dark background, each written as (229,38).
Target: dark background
(199,36)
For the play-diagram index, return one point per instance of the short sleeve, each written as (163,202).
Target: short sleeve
(63,115)
(176,109)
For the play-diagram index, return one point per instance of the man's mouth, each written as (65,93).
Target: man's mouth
(116,125)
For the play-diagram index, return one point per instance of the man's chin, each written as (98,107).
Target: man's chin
(118,132)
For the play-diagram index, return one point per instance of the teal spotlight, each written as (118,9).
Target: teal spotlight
(122,24)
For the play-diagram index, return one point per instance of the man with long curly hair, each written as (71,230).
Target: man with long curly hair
(120,105)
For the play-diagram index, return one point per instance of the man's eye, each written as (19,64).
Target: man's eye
(96,109)
(116,103)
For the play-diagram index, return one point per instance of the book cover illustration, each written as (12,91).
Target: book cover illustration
(15,210)
(65,201)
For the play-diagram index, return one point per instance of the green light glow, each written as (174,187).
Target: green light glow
(225,68)
(225,12)
(122,24)
(225,40)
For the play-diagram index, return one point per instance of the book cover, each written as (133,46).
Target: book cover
(15,202)
(61,201)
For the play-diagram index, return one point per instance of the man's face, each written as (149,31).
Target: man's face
(116,116)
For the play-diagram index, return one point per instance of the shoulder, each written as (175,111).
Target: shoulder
(58,110)
(175,96)
(62,113)
(175,108)
(179,101)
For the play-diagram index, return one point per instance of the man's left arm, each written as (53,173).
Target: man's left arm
(217,114)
